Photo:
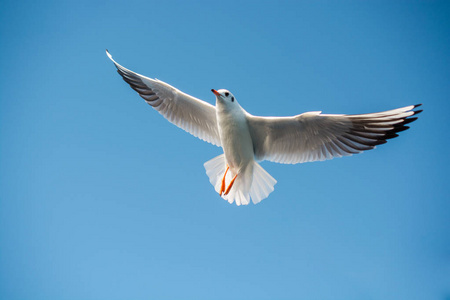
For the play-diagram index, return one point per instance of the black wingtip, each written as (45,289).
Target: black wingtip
(409,120)
(401,128)
(389,136)
(417,111)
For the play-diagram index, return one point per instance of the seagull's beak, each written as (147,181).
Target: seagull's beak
(215,92)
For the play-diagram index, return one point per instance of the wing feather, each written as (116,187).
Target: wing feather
(189,113)
(314,136)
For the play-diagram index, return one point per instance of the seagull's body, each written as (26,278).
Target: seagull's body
(234,135)
(236,142)
(246,139)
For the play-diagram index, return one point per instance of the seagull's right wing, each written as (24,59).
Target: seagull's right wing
(190,114)
(314,136)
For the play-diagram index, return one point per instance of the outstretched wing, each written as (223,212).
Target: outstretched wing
(189,113)
(314,136)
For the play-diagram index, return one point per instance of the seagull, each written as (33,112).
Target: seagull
(246,139)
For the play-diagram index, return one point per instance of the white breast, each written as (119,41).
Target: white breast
(236,140)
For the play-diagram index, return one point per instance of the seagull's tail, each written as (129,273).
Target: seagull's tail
(254,182)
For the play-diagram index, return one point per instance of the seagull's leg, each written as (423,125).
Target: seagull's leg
(231,184)
(222,187)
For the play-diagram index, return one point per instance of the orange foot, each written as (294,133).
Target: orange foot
(222,187)
(231,184)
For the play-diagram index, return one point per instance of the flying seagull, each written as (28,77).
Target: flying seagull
(246,139)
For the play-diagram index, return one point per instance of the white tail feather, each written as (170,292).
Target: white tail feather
(263,184)
(255,183)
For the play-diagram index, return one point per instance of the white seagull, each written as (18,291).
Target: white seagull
(246,139)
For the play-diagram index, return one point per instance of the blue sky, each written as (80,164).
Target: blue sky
(102,198)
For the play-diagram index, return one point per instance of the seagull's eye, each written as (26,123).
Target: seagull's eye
(227,94)
(232,99)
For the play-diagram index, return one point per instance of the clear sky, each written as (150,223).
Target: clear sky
(102,198)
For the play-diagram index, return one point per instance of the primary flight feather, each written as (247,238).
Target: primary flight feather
(245,138)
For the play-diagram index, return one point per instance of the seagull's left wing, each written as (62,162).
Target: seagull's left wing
(189,113)
(314,136)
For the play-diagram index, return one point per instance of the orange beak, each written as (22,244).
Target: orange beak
(215,92)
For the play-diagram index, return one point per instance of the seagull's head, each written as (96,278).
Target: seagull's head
(225,98)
